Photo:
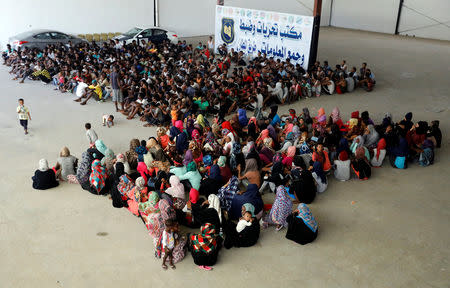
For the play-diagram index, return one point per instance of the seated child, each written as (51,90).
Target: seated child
(244,221)
(108,120)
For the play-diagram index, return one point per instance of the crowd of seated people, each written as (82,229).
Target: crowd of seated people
(178,77)
(212,175)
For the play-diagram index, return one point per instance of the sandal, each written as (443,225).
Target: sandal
(164,266)
(206,268)
(279,228)
(173,267)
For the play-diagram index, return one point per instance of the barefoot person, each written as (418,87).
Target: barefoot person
(24,115)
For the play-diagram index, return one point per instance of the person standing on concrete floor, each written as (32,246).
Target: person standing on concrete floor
(24,115)
(115,85)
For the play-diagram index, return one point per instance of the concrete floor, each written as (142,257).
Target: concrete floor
(395,235)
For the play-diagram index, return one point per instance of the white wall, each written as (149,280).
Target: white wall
(377,16)
(414,20)
(196,17)
(78,17)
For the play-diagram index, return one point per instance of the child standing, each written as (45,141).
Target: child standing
(90,134)
(168,243)
(24,115)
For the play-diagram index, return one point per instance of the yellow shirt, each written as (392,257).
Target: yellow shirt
(97,90)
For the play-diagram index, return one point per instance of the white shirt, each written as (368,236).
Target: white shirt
(91,136)
(260,101)
(81,88)
(342,171)
(242,224)
(23,112)
(321,187)
(168,240)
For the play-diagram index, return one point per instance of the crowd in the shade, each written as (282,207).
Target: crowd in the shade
(158,82)
(212,175)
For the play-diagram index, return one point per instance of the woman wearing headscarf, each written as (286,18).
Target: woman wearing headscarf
(108,162)
(150,213)
(197,153)
(302,226)
(242,115)
(252,196)
(247,237)
(370,136)
(342,167)
(360,164)
(181,141)
(131,155)
(117,200)
(399,154)
(210,144)
(262,136)
(251,174)
(303,185)
(319,177)
(212,183)
(358,142)
(205,246)
(120,158)
(162,137)
(201,121)
(426,157)
(227,192)
(68,164)
(287,161)
(44,178)
(281,208)
(176,191)
(84,170)
(192,175)
(306,116)
(143,171)
(225,171)
(276,175)
(267,151)
(168,213)
(321,117)
(176,129)
(140,191)
(273,116)
(101,147)
(98,179)
(125,188)
(336,117)
(379,153)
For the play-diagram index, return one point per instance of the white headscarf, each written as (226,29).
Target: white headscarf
(43,165)
(214,202)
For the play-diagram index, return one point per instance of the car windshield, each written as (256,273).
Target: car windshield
(132,32)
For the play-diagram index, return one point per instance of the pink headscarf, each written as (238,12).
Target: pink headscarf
(335,114)
(176,188)
(321,117)
(289,128)
(291,151)
(179,125)
(143,170)
(252,119)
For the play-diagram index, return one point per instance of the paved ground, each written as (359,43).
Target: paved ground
(395,235)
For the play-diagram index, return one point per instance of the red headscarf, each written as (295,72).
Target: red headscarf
(355,114)
(343,156)
(381,145)
(193,195)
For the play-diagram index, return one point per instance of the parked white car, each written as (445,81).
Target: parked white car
(153,34)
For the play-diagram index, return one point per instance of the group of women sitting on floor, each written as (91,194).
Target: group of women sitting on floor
(213,176)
